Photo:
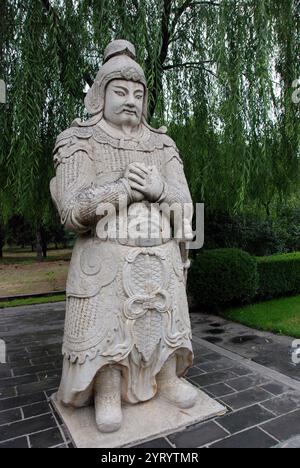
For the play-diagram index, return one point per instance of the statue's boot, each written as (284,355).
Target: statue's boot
(108,399)
(174,389)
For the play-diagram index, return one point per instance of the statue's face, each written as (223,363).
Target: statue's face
(124,103)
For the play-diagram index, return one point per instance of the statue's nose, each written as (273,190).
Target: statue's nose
(130,101)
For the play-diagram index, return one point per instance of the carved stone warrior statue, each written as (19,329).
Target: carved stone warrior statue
(127,331)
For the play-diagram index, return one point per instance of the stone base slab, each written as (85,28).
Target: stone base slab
(141,422)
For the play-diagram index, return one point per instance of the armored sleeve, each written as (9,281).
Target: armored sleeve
(74,189)
(176,190)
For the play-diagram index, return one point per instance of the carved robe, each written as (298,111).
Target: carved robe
(126,303)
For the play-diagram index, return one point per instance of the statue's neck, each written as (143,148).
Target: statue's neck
(125,131)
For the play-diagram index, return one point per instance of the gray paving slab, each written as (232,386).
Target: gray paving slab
(267,349)
(247,370)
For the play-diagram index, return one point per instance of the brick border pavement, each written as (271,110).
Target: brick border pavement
(263,406)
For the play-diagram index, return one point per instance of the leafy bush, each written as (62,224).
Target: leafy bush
(222,277)
(288,222)
(263,237)
(247,232)
(279,275)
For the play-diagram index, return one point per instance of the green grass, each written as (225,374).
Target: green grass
(281,316)
(31,301)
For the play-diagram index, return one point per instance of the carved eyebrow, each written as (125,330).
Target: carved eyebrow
(120,87)
(126,89)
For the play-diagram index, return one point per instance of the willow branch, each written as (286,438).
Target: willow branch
(186,65)
(186,5)
(49,8)
(46,5)
(136,4)
(195,65)
(215,4)
(197,68)
(165,30)
(163,53)
(179,12)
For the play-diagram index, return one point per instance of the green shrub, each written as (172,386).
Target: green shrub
(222,277)
(247,232)
(279,275)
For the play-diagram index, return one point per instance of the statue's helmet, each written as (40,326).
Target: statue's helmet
(119,63)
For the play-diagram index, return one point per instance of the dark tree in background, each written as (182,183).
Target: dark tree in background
(220,75)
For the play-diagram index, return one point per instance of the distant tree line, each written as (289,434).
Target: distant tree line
(220,76)
(19,233)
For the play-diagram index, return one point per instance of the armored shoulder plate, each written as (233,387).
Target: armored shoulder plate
(168,141)
(170,148)
(70,141)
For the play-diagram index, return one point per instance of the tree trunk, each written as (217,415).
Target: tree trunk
(44,242)
(44,248)
(163,53)
(2,241)
(39,249)
(267,207)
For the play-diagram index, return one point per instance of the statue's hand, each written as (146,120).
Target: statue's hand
(137,172)
(147,181)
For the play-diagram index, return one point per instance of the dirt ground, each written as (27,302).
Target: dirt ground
(33,278)
(13,256)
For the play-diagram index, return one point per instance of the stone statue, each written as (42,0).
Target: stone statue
(127,330)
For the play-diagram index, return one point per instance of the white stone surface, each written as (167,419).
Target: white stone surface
(120,186)
(141,422)
(2,92)
(2,352)
(293,443)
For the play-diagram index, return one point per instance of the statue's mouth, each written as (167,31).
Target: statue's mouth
(129,112)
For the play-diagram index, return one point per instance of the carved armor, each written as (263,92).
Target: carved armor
(126,298)
(125,304)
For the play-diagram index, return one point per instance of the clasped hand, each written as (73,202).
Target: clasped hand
(145,182)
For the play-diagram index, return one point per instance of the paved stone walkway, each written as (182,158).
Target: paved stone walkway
(267,349)
(263,404)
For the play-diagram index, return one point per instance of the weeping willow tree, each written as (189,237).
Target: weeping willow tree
(220,75)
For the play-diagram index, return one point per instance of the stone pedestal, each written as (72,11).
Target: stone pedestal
(141,422)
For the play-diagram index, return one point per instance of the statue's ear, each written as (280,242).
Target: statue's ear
(145,103)
(94,102)
(53,191)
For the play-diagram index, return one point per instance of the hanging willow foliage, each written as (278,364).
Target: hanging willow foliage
(220,75)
